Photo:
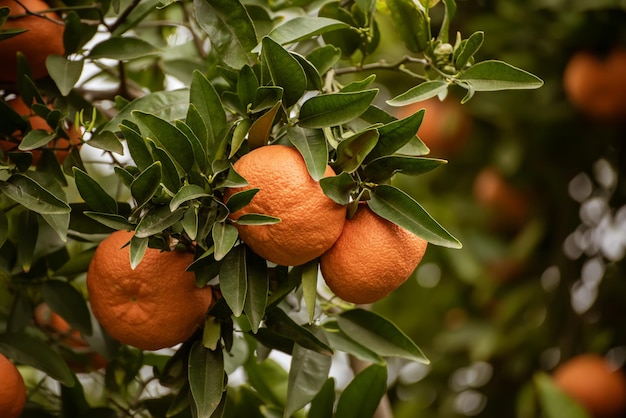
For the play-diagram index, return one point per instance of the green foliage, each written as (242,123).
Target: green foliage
(245,76)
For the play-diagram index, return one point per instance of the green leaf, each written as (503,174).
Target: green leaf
(186,193)
(347,40)
(363,394)
(338,340)
(34,352)
(110,220)
(323,404)
(450,10)
(257,219)
(27,221)
(206,378)
(171,139)
(285,71)
(339,188)
(307,375)
(498,75)
(146,183)
(247,85)
(324,58)
(269,379)
(303,27)
(224,238)
(266,97)
(233,279)
(384,168)
(157,220)
(260,131)
(312,146)
(199,152)
(167,105)
(240,199)
(396,134)
(421,92)
(138,247)
(398,207)
(379,335)
(468,48)
(256,293)
(334,108)
(313,77)
(64,72)
(554,402)
(122,48)
(170,177)
(211,110)
(59,222)
(30,193)
(309,287)
(230,29)
(35,139)
(352,151)
(107,141)
(411,23)
(359,85)
(279,322)
(92,192)
(4,228)
(69,303)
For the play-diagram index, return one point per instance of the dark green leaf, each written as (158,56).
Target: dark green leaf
(35,139)
(379,335)
(107,141)
(285,70)
(93,194)
(307,374)
(359,85)
(338,340)
(210,108)
(339,188)
(112,221)
(384,168)
(324,58)
(240,199)
(30,193)
(266,97)
(199,151)
(400,208)
(186,193)
(421,92)
(468,48)
(363,394)
(138,247)
(304,27)
(233,279)
(258,286)
(411,23)
(206,378)
(269,379)
(312,145)
(396,134)
(64,72)
(498,75)
(33,352)
(247,85)
(139,151)
(122,48)
(257,219)
(323,404)
(170,177)
(554,402)
(146,183)
(279,322)
(230,29)
(157,220)
(4,228)
(334,108)
(346,40)
(224,238)
(65,300)
(352,151)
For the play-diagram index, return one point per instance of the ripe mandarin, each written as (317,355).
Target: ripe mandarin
(154,306)
(12,389)
(310,221)
(371,258)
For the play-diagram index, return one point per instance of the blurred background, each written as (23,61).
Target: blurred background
(535,188)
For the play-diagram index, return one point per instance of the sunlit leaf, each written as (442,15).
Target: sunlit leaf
(394,135)
(411,24)
(338,340)
(495,75)
(313,148)
(303,27)
(30,193)
(468,48)
(285,71)
(334,108)
(309,287)
(421,92)
(224,238)
(186,193)
(157,220)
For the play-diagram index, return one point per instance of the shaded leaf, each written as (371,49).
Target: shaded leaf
(157,220)
(256,293)
(363,394)
(65,300)
(206,378)
(186,193)
(279,322)
(554,402)
(145,185)
(323,404)
(260,131)
(309,287)
(338,340)
(468,48)
(92,192)
(210,109)
(122,48)
(384,168)
(352,151)
(28,192)
(64,72)
(233,279)
(339,188)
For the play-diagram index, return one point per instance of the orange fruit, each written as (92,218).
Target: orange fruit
(591,381)
(43,37)
(597,85)
(371,258)
(154,306)
(446,126)
(310,221)
(38,122)
(508,206)
(12,390)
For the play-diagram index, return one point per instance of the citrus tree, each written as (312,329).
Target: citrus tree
(242,139)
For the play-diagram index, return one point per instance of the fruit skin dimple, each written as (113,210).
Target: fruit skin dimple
(12,390)
(371,258)
(590,380)
(154,306)
(310,221)
(44,37)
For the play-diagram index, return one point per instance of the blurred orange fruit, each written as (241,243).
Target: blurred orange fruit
(371,258)
(310,222)
(154,306)
(446,126)
(597,85)
(12,390)
(43,37)
(592,382)
(38,122)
